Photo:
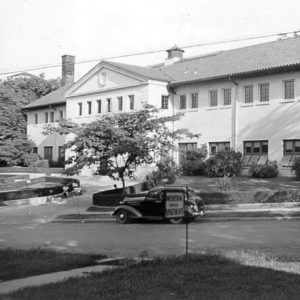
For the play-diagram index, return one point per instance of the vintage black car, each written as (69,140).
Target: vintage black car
(173,203)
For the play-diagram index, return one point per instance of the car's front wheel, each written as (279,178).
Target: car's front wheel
(176,220)
(122,216)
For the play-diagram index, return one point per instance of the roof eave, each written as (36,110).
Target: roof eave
(44,105)
(290,67)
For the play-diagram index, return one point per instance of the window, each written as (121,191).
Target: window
(99,106)
(182,102)
(35,150)
(213,98)
(36,118)
(248,93)
(183,147)
(46,118)
(48,153)
(120,103)
(131,102)
(164,102)
(289,89)
(61,114)
(194,97)
(89,103)
(61,152)
(80,109)
(227,96)
(51,116)
(255,152)
(264,92)
(108,104)
(291,150)
(216,147)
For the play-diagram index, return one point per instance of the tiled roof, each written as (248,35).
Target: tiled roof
(147,72)
(54,98)
(241,61)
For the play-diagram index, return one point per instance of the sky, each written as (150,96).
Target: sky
(38,32)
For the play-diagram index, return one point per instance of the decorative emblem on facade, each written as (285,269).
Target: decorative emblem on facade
(102,78)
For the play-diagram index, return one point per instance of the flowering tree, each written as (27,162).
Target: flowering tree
(114,143)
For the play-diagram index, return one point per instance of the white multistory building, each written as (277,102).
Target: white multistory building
(247,99)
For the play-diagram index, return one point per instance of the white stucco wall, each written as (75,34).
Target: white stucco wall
(34,131)
(274,121)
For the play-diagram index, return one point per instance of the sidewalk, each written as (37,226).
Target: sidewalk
(13,285)
(104,264)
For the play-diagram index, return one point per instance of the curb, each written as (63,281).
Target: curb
(203,220)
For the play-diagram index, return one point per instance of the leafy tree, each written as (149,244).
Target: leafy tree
(115,144)
(14,94)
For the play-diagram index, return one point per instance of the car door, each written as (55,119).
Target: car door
(153,205)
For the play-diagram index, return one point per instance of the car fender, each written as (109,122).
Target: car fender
(128,208)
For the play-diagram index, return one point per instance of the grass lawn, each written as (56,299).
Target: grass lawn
(207,184)
(16,263)
(239,190)
(196,277)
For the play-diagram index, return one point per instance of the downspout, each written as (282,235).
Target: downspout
(172,93)
(234,116)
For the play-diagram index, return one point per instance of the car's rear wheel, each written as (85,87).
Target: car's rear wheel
(122,216)
(176,220)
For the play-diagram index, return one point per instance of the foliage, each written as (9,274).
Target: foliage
(14,94)
(296,167)
(42,163)
(193,162)
(165,173)
(115,144)
(269,170)
(29,159)
(224,163)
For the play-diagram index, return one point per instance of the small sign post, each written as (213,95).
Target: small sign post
(176,208)
(186,227)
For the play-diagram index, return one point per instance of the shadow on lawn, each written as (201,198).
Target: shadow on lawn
(194,277)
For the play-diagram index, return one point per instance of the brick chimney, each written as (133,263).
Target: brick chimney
(68,64)
(174,54)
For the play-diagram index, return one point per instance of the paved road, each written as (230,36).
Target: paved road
(273,237)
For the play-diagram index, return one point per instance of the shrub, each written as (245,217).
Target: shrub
(224,163)
(165,173)
(43,163)
(193,162)
(296,167)
(269,170)
(29,159)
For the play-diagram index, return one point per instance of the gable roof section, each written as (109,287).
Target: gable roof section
(54,98)
(146,72)
(258,58)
